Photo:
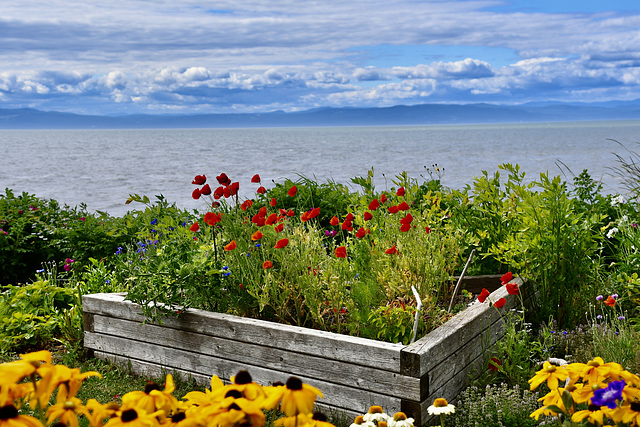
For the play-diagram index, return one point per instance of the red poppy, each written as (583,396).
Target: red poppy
(483,295)
(407,219)
(196,194)
(512,289)
(494,364)
(223,179)
(282,211)
(206,190)
(262,211)
(347,225)
(281,243)
(212,218)
(255,178)
(405,227)
(215,204)
(314,213)
(361,233)
(506,278)
(334,221)
(305,217)
(291,212)
(292,191)
(610,301)
(279,228)
(273,202)
(267,264)
(500,303)
(261,190)
(257,236)
(367,216)
(392,250)
(375,204)
(401,192)
(349,217)
(246,204)
(393,209)
(218,192)
(226,191)
(230,246)
(233,188)
(271,219)
(199,180)
(195,227)
(427,229)
(258,220)
(341,252)
(383,198)
(403,206)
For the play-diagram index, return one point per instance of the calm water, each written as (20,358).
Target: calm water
(102,167)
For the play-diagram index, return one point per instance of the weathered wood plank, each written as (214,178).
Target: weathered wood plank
(440,344)
(336,395)
(321,343)
(296,363)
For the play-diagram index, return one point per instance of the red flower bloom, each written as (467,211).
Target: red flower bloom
(292,191)
(206,190)
(314,213)
(279,228)
(215,204)
(255,178)
(334,221)
(512,289)
(290,212)
(347,225)
(223,179)
(246,204)
(506,278)
(610,301)
(273,202)
(199,180)
(257,236)
(500,303)
(494,364)
(196,194)
(375,204)
(401,192)
(393,209)
(261,190)
(212,218)
(218,192)
(349,217)
(226,191)
(258,220)
(483,295)
(195,227)
(271,219)
(403,206)
(281,243)
(407,219)
(262,211)
(427,229)
(233,188)
(405,227)
(383,198)
(392,250)
(367,216)
(267,264)
(341,252)
(231,246)
(361,233)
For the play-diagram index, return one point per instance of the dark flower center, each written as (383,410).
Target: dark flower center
(243,377)
(319,416)
(594,408)
(129,415)
(150,387)
(176,418)
(234,406)
(233,393)
(294,383)
(635,406)
(7,412)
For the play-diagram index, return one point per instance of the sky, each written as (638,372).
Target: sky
(193,56)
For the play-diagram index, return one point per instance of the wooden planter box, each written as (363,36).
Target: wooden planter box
(353,373)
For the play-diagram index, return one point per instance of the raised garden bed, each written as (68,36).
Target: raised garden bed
(353,373)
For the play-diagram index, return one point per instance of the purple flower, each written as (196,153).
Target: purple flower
(599,317)
(621,317)
(634,225)
(608,396)
(599,298)
(614,296)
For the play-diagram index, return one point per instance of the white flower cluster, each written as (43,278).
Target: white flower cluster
(377,418)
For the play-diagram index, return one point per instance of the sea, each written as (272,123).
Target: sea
(101,168)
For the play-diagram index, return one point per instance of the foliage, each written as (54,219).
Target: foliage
(495,406)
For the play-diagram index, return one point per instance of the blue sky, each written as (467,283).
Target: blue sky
(170,57)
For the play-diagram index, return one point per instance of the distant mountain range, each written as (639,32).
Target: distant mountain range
(424,114)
